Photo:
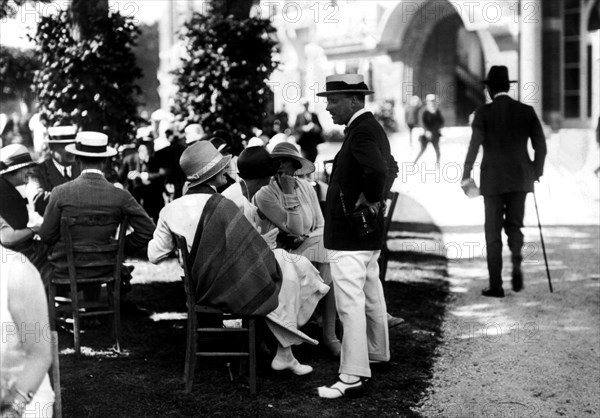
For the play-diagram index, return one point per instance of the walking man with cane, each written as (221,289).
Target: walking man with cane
(503,127)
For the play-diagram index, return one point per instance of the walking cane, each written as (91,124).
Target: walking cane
(542,239)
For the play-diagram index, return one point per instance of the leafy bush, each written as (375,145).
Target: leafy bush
(89,82)
(17,69)
(222,78)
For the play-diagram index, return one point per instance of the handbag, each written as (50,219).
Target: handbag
(362,221)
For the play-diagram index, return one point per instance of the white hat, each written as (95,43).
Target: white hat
(193,133)
(430,98)
(62,134)
(91,144)
(145,133)
(14,157)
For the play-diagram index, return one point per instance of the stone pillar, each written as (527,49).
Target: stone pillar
(530,54)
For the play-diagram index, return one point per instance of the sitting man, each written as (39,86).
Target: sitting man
(233,266)
(92,194)
(54,171)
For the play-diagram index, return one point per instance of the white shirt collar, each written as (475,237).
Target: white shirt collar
(502,93)
(92,170)
(356,114)
(61,168)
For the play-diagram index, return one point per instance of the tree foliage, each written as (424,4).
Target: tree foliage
(89,81)
(17,69)
(222,78)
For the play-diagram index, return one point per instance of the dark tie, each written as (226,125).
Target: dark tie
(66,173)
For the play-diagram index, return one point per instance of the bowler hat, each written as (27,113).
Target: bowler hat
(345,83)
(14,157)
(91,144)
(289,150)
(498,75)
(201,161)
(255,163)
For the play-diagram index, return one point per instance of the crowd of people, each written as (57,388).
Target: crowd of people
(258,240)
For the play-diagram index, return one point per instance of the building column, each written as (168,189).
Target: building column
(530,54)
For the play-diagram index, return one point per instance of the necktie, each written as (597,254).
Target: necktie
(66,173)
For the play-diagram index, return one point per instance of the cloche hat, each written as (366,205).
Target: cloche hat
(289,150)
(201,161)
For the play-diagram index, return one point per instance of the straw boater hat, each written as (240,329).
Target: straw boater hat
(62,134)
(498,75)
(289,150)
(345,83)
(91,144)
(14,157)
(255,163)
(201,161)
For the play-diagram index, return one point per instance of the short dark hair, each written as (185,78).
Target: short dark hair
(91,160)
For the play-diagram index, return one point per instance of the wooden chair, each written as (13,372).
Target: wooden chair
(193,331)
(390,204)
(80,259)
(56,376)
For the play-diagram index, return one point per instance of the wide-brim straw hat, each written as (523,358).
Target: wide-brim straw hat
(498,75)
(91,144)
(62,134)
(289,150)
(345,83)
(201,161)
(255,163)
(14,157)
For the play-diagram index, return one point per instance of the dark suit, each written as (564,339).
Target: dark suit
(503,128)
(359,167)
(92,194)
(46,177)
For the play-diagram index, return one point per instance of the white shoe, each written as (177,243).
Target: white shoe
(295,367)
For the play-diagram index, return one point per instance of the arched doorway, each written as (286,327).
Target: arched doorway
(440,56)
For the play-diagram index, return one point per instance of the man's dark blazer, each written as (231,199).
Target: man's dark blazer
(503,128)
(360,166)
(91,194)
(46,177)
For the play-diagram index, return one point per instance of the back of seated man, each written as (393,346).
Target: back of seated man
(54,171)
(91,194)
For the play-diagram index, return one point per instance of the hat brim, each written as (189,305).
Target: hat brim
(327,93)
(61,141)
(110,152)
(307,166)
(213,171)
(488,82)
(17,167)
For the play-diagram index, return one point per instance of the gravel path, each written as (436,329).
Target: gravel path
(530,354)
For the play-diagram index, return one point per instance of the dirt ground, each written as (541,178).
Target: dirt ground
(530,354)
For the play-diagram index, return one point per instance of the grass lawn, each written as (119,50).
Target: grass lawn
(146,379)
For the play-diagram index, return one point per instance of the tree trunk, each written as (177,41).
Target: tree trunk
(82,11)
(238,8)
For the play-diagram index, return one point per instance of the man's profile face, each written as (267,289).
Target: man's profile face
(61,155)
(340,106)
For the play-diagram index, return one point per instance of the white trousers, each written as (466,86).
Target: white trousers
(362,310)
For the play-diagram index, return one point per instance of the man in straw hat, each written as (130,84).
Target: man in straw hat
(359,180)
(54,171)
(17,229)
(92,194)
(504,127)
(234,267)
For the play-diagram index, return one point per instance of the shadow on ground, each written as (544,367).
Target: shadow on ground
(147,380)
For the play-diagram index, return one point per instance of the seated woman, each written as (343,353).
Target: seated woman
(17,230)
(291,204)
(234,267)
(25,349)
